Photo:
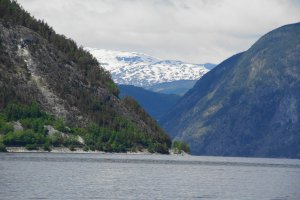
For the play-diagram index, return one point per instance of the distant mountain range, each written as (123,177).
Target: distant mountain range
(249,105)
(175,87)
(156,104)
(138,69)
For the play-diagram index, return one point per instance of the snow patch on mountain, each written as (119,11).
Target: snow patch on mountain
(138,69)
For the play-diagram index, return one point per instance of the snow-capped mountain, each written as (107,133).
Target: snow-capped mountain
(131,68)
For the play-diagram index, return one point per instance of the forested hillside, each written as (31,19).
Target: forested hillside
(40,67)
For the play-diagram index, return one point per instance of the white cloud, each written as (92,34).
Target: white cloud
(191,30)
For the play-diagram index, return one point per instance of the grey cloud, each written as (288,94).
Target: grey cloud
(191,30)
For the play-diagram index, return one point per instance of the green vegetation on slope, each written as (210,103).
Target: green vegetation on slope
(180,146)
(34,133)
(162,141)
(67,82)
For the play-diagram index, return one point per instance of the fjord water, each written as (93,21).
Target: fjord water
(116,176)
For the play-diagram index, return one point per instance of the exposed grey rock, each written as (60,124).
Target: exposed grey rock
(17,126)
(34,70)
(249,105)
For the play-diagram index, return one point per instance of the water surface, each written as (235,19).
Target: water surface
(113,176)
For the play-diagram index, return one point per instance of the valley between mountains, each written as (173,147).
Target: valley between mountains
(54,93)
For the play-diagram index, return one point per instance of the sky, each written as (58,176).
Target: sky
(195,31)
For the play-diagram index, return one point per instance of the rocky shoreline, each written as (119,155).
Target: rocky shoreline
(79,150)
(61,150)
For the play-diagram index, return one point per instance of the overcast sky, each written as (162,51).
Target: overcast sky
(195,31)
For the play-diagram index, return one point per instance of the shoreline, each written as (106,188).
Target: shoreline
(81,151)
(64,150)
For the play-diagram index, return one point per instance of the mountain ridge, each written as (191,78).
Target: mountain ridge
(142,70)
(39,66)
(248,105)
(156,104)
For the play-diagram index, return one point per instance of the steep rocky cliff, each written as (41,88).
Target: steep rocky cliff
(249,105)
(38,65)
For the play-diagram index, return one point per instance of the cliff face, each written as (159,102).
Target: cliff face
(249,105)
(37,65)
(37,71)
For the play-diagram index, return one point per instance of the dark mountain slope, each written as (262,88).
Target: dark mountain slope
(249,105)
(38,65)
(175,87)
(156,104)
